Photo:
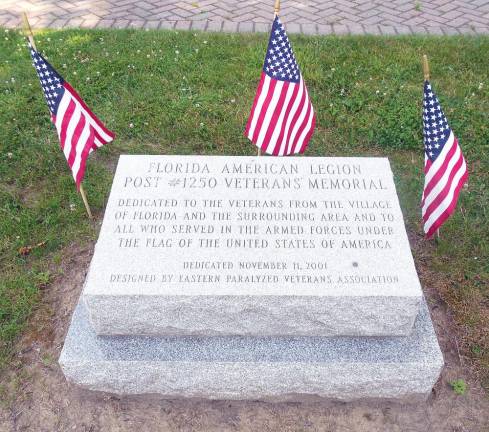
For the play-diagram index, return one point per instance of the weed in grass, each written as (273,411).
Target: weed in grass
(459,386)
(47,360)
(42,279)
(477,350)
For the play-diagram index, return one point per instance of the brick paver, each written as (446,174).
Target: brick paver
(301,16)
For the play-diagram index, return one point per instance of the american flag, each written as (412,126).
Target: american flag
(282,118)
(445,168)
(80,132)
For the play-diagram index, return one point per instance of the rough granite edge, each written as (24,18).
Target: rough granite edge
(252,315)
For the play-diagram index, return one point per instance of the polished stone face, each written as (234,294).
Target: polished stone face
(199,245)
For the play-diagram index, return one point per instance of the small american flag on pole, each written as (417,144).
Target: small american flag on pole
(282,118)
(80,132)
(445,168)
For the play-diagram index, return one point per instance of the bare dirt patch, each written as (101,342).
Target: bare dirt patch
(38,398)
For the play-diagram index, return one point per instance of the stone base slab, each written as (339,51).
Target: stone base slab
(265,368)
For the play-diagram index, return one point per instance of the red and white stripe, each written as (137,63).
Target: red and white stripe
(80,131)
(282,118)
(443,180)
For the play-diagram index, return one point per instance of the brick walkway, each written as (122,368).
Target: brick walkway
(300,16)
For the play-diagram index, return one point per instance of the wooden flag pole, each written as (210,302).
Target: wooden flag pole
(30,36)
(85,201)
(426,73)
(28,30)
(277,7)
(426,68)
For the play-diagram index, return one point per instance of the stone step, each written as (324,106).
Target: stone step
(265,368)
(213,245)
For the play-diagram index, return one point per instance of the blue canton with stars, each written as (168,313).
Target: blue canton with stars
(51,81)
(280,63)
(435,125)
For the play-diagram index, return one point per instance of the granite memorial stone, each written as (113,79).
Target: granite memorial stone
(253,278)
(198,245)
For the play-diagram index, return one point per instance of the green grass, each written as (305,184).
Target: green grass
(185,93)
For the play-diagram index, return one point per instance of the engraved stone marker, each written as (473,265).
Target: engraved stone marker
(250,276)
(194,245)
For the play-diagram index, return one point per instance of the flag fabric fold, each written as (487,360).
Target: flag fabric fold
(282,118)
(445,168)
(79,130)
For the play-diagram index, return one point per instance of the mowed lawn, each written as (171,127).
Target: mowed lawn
(190,93)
